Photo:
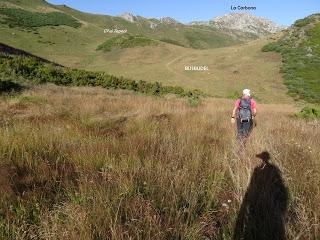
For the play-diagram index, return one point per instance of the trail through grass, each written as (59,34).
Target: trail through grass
(90,163)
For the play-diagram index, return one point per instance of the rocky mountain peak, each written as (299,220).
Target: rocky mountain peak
(246,22)
(168,20)
(129,17)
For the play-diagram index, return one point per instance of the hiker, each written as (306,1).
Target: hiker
(244,112)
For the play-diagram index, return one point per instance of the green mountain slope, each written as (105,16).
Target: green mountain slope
(19,68)
(300,50)
(70,37)
(190,36)
(26,19)
(202,37)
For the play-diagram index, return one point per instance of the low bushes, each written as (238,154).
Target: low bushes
(22,18)
(309,112)
(171,41)
(301,59)
(9,86)
(126,41)
(36,72)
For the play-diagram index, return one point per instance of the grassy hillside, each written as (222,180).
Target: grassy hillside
(87,163)
(27,70)
(196,36)
(189,36)
(25,19)
(300,50)
(230,69)
(30,5)
(163,62)
(126,41)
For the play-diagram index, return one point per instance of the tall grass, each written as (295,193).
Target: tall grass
(88,163)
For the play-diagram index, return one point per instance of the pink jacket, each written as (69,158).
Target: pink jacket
(252,104)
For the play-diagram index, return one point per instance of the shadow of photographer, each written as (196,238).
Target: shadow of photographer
(261,215)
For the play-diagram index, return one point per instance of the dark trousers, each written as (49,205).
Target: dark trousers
(243,129)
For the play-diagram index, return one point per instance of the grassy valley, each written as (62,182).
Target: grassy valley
(153,55)
(230,68)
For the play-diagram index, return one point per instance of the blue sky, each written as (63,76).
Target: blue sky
(283,12)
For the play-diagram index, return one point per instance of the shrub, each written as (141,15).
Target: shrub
(125,41)
(170,41)
(26,19)
(9,86)
(34,71)
(271,47)
(302,22)
(300,58)
(309,112)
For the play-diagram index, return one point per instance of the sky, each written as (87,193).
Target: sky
(283,12)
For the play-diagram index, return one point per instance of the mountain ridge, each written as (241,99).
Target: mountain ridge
(244,22)
(165,28)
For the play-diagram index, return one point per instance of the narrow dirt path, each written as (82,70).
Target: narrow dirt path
(173,61)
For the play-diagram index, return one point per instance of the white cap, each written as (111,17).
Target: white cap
(246,92)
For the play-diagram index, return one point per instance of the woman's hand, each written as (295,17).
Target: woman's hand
(233,120)
(254,121)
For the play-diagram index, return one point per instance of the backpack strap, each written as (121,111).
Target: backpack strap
(249,100)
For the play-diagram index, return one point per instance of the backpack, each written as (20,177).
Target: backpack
(244,112)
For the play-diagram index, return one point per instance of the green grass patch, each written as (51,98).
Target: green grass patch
(271,47)
(126,41)
(25,19)
(234,95)
(301,59)
(202,40)
(309,112)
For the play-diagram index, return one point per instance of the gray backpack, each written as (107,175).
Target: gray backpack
(244,113)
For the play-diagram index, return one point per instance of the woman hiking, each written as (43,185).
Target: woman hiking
(244,113)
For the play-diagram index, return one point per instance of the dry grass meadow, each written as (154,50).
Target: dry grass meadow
(230,68)
(87,163)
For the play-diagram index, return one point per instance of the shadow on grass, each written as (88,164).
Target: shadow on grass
(261,215)
(8,86)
